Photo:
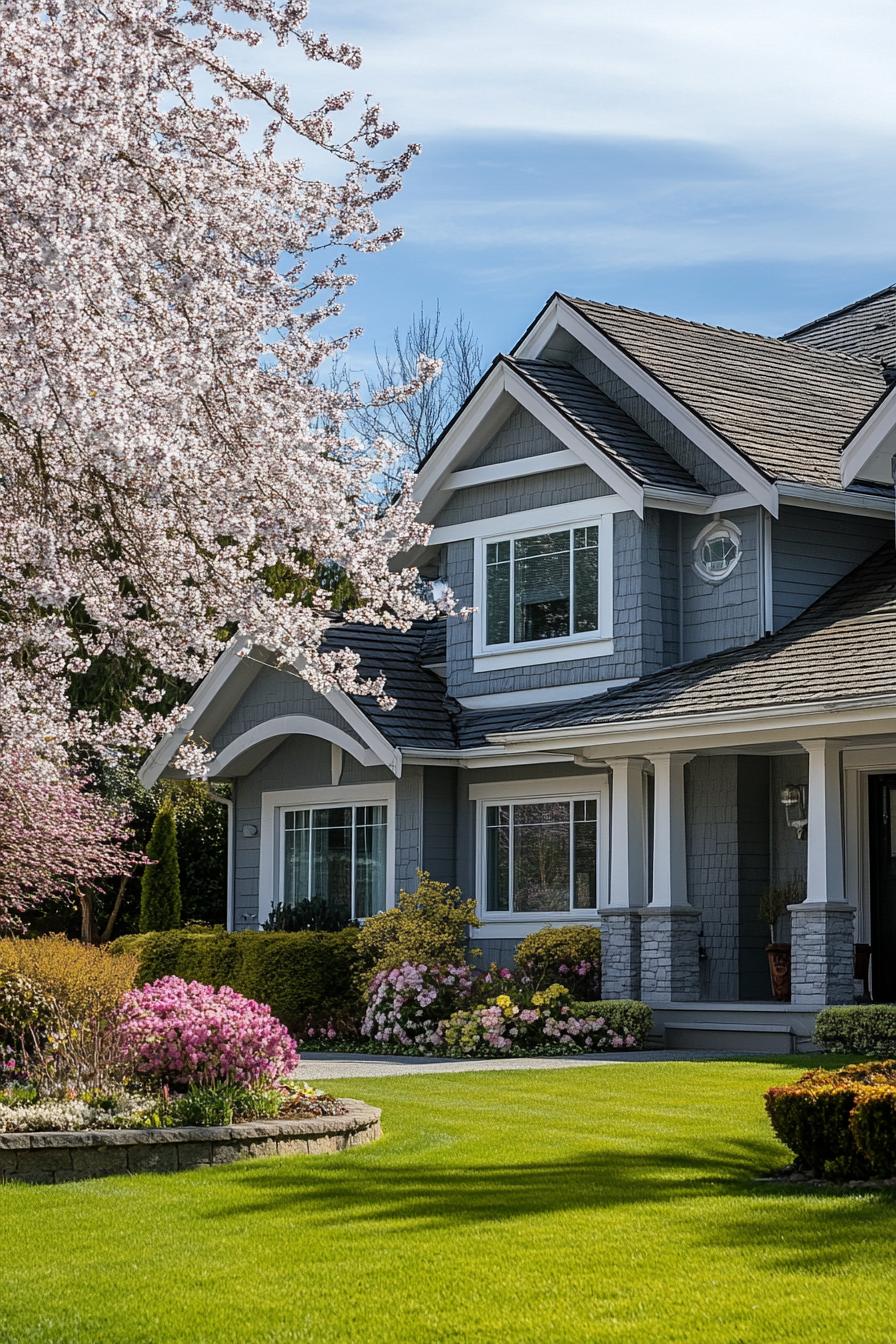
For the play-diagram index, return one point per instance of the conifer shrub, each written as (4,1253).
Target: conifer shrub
(160,903)
(568,955)
(429,926)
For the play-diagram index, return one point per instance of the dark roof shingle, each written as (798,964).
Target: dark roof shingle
(865,327)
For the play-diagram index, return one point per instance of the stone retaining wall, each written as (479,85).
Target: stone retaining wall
(49,1158)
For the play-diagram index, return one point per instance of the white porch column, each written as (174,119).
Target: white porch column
(621,920)
(670,965)
(670,874)
(822,927)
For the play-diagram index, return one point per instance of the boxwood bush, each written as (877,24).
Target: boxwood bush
(568,956)
(839,1122)
(859,1029)
(625,1017)
(307,979)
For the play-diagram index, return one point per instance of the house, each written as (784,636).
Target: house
(678,686)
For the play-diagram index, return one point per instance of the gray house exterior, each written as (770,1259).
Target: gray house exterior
(677,687)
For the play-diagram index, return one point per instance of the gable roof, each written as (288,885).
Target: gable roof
(787,408)
(865,327)
(841,649)
(604,423)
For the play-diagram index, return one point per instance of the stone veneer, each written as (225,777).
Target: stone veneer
(50,1158)
(620,954)
(670,967)
(821,965)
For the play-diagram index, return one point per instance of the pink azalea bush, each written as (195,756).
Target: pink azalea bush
(192,1034)
(408,1005)
(546,1025)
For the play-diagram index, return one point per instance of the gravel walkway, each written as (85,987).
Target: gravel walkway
(382,1066)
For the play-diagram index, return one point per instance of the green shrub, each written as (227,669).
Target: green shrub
(625,1017)
(308,978)
(26,1011)
(859,1029)
(160,884)
(873,1127)
(813,1115)
(427,925)
(568,955)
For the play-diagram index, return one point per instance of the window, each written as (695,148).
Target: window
(717,551)
(541,857)
(337,855)
(544,586)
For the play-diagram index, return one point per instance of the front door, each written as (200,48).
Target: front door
(882,812)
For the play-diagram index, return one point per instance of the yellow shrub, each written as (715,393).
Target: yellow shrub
(86,982)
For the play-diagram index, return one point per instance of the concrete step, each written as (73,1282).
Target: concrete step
(732,1037)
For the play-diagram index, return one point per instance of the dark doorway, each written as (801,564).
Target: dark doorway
(882,814)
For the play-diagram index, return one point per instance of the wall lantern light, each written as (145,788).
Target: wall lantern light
(250,830)
(793,800)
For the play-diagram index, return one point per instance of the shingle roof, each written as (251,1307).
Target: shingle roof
(841,648)
(604,423)
(786,407)
(865,327)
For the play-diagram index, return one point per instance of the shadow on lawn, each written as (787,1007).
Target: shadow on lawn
(453,1194)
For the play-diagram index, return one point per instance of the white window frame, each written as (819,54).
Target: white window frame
(273,808)
(718,527)
(568,789)
(590,643)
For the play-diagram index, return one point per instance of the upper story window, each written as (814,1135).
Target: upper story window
(717,550)
(542,586)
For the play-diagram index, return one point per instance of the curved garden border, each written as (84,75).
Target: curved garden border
(50,1158)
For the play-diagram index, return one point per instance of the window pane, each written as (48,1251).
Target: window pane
(331,859)
(541,587)
(497,858)
(585,603)
(497,593)
(296,839)
(584,882)
(541,857)
(370,861)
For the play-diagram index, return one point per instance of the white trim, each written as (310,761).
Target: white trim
(544,695)
(567,648)
(859,763)
(382,749)
(229,917)
(560,314)
(836,501)
(766,576)
(274,803)
(733,533)
(569,788)
(870,441)
(531,520)
(290,725)
(560,460)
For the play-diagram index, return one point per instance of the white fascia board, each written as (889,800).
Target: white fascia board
(559,314)
(836,501)
(733,728)
(370,735)
(511,470)
(479,419)
(868,452)
(209,688)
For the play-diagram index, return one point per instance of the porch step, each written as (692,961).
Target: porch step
(733,1037)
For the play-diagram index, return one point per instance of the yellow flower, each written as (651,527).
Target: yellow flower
(503,1000)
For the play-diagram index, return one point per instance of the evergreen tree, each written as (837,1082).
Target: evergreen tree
(160,885)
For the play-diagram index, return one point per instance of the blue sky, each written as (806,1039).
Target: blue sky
(733,164)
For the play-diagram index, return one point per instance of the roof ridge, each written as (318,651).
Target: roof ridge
(866,361)
(837,312)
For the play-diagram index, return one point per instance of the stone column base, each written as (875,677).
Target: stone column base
(620,953)
(821,957)
(670,962)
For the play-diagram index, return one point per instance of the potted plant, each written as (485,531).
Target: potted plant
(773,904)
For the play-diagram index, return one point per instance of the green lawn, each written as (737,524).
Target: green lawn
(586,1204)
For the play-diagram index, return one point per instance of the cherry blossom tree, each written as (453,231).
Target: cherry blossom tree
(171,280)
(58,839)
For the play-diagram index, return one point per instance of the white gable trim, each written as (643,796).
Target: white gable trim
(514,467)
(479,419)
(381,751)
(869,452)
(273,731)
(559,314)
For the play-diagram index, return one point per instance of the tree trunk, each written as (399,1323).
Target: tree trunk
(88,915)
(116,908)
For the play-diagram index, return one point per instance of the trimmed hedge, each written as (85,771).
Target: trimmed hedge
(627,1017)
(568,955)
(308,978)
(839,1122)
(858,1029)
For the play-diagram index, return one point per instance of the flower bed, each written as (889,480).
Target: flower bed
(839,1123)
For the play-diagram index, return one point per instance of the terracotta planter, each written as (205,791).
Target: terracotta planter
(779,970)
